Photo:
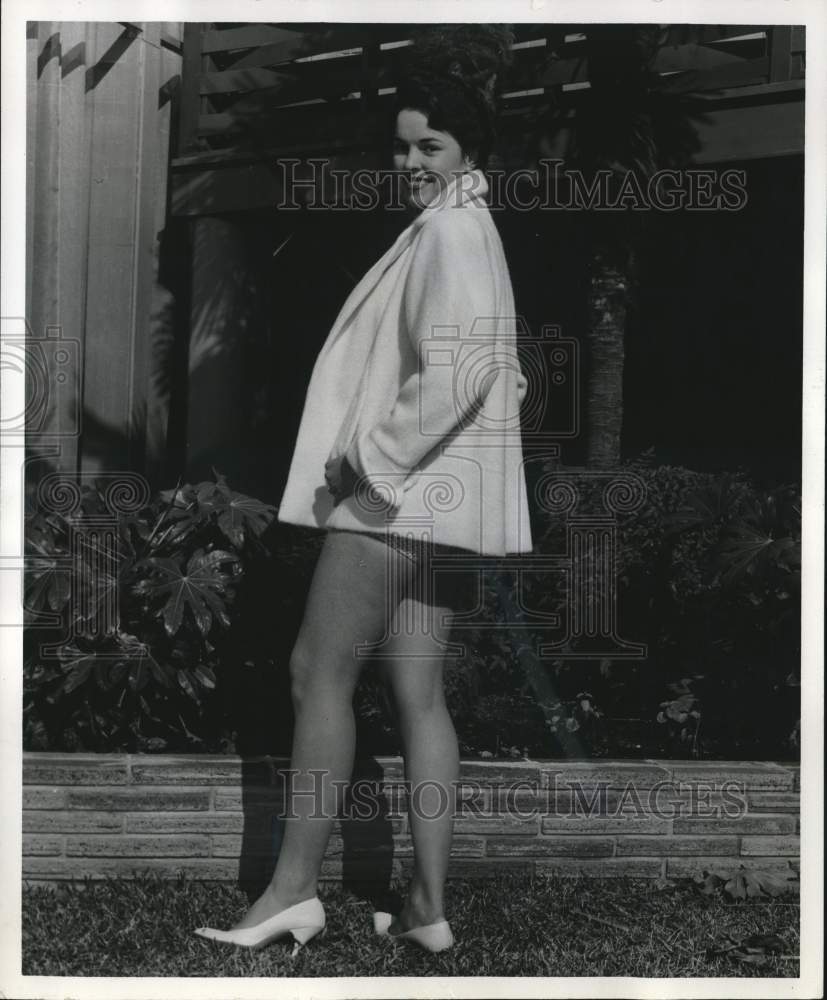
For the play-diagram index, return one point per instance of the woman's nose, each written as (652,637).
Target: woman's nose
(412,160)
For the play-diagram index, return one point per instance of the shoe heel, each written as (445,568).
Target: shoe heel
(301,935)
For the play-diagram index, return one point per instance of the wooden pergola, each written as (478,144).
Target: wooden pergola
(142,132)
(323,90)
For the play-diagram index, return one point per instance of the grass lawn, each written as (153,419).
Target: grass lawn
(541,926)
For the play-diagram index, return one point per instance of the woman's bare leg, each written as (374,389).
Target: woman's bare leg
(349,603)
(414,668)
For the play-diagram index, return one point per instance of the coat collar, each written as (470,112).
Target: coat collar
(467,188)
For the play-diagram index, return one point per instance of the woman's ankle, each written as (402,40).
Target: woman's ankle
(286,896)
(422,907)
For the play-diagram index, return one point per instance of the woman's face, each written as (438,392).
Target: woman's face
(429,159)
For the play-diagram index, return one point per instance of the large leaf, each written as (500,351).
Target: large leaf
(185,681)
(77,666)
(47,579)
(236,514)
(199,588)
(48,585)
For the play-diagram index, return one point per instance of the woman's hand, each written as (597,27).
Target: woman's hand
(340,477)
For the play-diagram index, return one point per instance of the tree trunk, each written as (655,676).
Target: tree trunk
(605,340)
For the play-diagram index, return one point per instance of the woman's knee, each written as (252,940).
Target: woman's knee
(418,696)
(319,676)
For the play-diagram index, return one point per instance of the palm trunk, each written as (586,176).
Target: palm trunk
(605,342)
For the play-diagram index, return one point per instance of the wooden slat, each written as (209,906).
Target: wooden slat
(302,39)
(55,229)
(532,68)
(270,44)
(241,81)
(244,114)
(247,37)
(150,187)
(704,34)
(115,106)
(702,57)
(301,81)
(752,71)
(339,78)
(341,37)
(273,54)
(345,74)
(760,93)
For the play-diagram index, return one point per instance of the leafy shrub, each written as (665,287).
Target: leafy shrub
(139,678)
(211,591)
(708,574)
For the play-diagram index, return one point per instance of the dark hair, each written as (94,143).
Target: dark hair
(452,105)
(451,75)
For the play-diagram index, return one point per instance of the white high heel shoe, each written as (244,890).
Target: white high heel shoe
(304,921)
(432,937)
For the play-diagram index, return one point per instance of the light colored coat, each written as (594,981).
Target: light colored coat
(419,386)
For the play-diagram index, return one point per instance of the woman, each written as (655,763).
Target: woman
(409,445)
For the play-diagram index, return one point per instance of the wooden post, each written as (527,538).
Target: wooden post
(190,105)
(780,46)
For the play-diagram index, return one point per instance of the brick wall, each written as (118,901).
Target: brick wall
(214,818)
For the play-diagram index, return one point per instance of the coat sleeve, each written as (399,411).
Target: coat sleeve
(449,299)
